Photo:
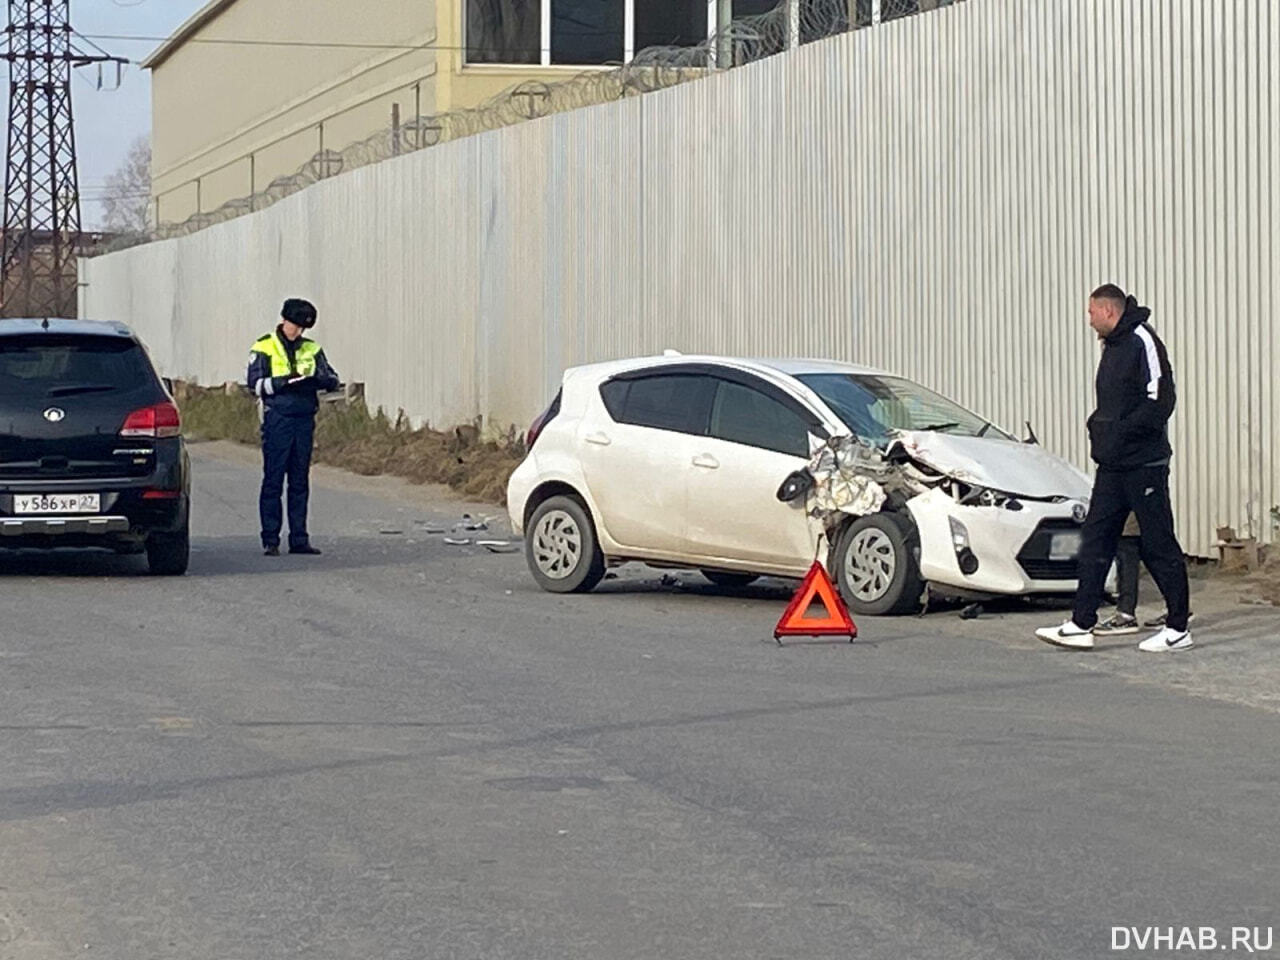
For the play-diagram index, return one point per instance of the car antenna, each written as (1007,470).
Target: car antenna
(1031,434)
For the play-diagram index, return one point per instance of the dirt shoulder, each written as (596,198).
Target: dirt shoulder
(369,444)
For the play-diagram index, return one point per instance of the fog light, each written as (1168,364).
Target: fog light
(964,555)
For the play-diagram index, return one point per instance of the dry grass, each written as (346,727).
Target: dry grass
(1265,583)
(350,437)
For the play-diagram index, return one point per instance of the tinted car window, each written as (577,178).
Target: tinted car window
(678,402)
(51,365)
(743,415)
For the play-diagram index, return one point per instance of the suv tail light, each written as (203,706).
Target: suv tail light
(543,419)
(161,420)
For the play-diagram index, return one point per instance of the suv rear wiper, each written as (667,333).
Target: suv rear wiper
(80,388)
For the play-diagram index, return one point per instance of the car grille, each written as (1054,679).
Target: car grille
(1034,555)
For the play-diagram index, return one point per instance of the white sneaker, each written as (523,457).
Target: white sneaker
(1167,641)
(1067,635)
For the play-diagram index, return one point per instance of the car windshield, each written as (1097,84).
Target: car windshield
(51,365)
(872,405)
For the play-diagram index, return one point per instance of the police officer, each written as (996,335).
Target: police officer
(286,371)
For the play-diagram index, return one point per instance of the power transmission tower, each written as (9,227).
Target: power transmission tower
(41,192)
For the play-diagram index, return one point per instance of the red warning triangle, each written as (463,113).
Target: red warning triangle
(836,623)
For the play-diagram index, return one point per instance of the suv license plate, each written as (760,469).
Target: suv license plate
(1064,546)
(29,503)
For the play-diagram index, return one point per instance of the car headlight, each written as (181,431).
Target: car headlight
(986,497)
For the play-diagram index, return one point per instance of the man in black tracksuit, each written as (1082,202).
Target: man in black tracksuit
(1129,437)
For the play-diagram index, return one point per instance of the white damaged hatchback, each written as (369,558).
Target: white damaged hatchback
(743,468)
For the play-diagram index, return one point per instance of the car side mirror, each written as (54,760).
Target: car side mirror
(795,486)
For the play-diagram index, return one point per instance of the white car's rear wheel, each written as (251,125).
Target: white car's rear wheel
(561,547)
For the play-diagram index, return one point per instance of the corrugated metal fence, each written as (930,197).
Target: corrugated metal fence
(935,195)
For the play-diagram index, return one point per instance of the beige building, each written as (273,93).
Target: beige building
(247,91)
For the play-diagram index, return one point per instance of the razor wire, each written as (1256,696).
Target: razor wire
(742,41)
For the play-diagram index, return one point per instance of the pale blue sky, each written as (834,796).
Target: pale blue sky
(107,121)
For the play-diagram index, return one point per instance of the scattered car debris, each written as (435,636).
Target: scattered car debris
(471,524)
(499,546)
(457,541)
(391,532)
(611,575)
(972,612)
(667,580)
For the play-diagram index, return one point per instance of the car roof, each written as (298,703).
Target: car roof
(788,366)
(19,326)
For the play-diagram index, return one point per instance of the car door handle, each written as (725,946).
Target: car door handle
(599,439)
(706,461)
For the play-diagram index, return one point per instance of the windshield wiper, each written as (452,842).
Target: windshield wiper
(939,426)
(985,428)
(79,388)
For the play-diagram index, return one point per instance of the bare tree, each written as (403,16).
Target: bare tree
(127,194)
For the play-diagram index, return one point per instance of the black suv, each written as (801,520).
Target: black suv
(91,449)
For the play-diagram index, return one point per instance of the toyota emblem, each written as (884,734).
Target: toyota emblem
(54,415)
(1078,512)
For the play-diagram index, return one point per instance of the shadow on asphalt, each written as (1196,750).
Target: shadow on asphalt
(210,557)
(19,803)
(774,590)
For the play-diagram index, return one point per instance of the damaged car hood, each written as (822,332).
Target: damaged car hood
(1022,469)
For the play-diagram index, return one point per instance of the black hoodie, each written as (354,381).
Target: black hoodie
(1130,427)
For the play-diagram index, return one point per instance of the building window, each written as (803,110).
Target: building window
(753,8)
(579,32)
(503,31)
(670,23)
(588,31)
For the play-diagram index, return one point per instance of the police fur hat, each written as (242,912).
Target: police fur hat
(300,312)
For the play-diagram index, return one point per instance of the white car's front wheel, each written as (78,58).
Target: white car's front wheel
(876,565)
(561,547)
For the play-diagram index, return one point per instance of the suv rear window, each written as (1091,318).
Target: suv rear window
(54,365)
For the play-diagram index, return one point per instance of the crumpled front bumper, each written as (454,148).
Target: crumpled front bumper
(997,537)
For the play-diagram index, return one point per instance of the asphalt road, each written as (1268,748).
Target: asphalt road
(402,749)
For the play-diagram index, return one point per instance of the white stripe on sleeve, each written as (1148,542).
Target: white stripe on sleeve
(1153,361)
